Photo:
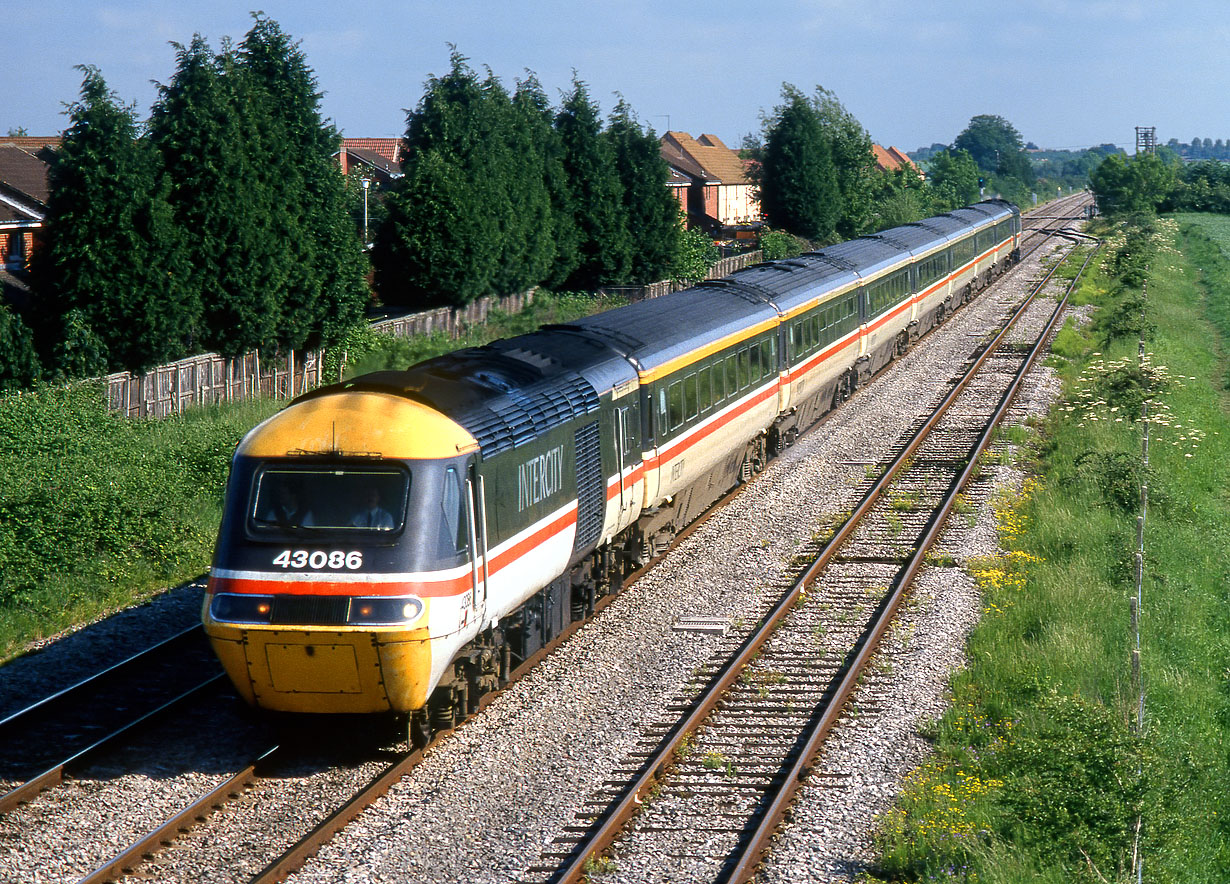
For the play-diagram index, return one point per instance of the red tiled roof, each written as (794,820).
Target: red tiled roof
(706,156)
(32,143)
(892,159)
(23,176)
(389,148)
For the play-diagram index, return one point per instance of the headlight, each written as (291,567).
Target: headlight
(384,610)
(231,607)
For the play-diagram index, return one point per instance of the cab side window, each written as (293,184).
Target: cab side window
(453,516)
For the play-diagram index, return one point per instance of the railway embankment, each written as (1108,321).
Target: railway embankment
(1085,738)
(99,512)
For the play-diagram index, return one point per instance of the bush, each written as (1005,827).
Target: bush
(778,244)
(1076,785)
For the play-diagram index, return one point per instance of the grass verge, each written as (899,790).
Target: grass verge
(98,512)
(1038,772)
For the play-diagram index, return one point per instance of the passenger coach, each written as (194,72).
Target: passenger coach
(400,541)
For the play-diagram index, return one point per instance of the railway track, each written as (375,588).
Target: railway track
(709,790)
(295,855)
(40,743)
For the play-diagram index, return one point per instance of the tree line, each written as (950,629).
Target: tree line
(219,223)
(1201,149)
(223,223)
(502,192)
(818,178)
(1160,182)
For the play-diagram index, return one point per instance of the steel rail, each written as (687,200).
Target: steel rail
(616,817)
(128,860)
(750,857)
(73,692)
(54,775)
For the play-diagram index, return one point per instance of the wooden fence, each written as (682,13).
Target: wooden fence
(210,378)
(453,321)
(724,267)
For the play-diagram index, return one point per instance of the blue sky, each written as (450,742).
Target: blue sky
(1066,73)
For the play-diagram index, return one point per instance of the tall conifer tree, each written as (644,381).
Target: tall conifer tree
(325,291)
(111,267)
(441,242)
(517,169)
(604,250)
(561,238)
(651,210)
(535,160)
(220,200)
(798,187)
(853,162)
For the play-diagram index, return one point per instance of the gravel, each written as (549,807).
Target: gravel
(489,800)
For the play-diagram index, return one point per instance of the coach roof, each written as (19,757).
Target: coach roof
(657,333)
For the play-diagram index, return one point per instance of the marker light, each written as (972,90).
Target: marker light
(230,607)
(382,610)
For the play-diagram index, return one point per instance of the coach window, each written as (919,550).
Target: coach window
(674,398)
(704,380)
(689,397)
(768,357)
(732,375)
(453,522)
(753,355)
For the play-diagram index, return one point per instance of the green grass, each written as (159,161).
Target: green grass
(99,512)
(1037,774)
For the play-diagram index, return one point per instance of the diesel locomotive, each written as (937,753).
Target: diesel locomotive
(400,541)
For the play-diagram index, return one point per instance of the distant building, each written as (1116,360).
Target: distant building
(24,164)
(711,183)
(381,157)
(893,158)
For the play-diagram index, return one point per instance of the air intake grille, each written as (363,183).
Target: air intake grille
(526,413)
(310,610)
(591,489)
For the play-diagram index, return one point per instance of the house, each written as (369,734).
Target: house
(893,158)
(24,164)
(378,158)
(712,185)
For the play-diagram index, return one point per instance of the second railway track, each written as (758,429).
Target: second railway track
(722,777)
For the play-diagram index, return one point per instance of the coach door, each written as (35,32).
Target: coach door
(476,518)
(627,456)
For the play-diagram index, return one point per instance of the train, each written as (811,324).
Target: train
(401,541)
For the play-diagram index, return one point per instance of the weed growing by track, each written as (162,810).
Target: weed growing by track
(1038,774)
